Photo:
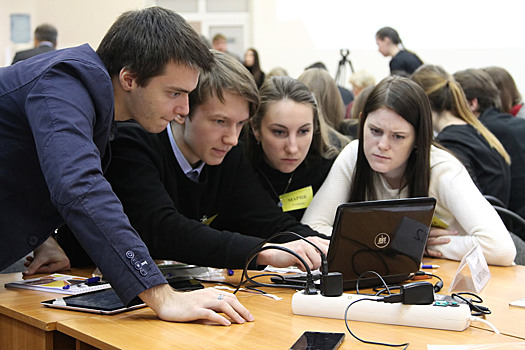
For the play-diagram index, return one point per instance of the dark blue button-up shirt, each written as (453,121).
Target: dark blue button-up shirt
(56,112)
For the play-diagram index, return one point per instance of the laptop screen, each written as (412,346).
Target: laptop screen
(387,236)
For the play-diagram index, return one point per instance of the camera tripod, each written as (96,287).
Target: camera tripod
(340,76)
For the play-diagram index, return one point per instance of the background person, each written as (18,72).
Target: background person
(251,61)
(484,101)
(45,40)
(403,62)
(277,72)
(330,104)
(346,94)
(220,43)
(359,80)
(394,158)
(461,132)
(508,91)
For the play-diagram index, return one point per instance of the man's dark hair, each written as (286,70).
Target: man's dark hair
(478,84)
(146,40)
(46,32)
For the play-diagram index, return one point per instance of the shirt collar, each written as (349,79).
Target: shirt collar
(46,43)
(190,172)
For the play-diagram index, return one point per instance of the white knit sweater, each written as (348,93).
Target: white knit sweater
(459,204)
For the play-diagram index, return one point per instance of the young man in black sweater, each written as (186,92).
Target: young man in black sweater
(483,97)
(191,193)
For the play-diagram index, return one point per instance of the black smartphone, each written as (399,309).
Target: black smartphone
(182,283)
(318,341)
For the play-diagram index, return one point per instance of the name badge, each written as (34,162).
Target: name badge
(206,220)
(298,199)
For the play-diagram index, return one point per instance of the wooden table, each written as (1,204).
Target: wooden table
(506,284)
(275,327)
(25,324)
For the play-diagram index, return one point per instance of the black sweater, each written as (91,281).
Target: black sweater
(486,166)
(311,172)
(511,133)
(404,63)
(167,208)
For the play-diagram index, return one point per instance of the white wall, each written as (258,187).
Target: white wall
(456,34)
(77,22)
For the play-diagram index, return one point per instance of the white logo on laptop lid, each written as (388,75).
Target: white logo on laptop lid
(382,240)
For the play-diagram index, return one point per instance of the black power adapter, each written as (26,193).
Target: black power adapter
(416,293)
(331,284)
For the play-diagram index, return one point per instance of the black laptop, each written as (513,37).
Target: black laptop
(385,236)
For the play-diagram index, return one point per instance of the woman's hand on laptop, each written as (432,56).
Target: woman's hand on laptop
(309,253)
(437,236)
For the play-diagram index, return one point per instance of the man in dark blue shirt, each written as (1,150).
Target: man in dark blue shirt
(56,117)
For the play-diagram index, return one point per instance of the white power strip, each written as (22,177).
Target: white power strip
(454,318)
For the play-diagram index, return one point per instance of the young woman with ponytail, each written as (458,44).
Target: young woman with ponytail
(459,130)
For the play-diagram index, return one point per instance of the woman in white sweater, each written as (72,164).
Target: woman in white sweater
(395,158)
